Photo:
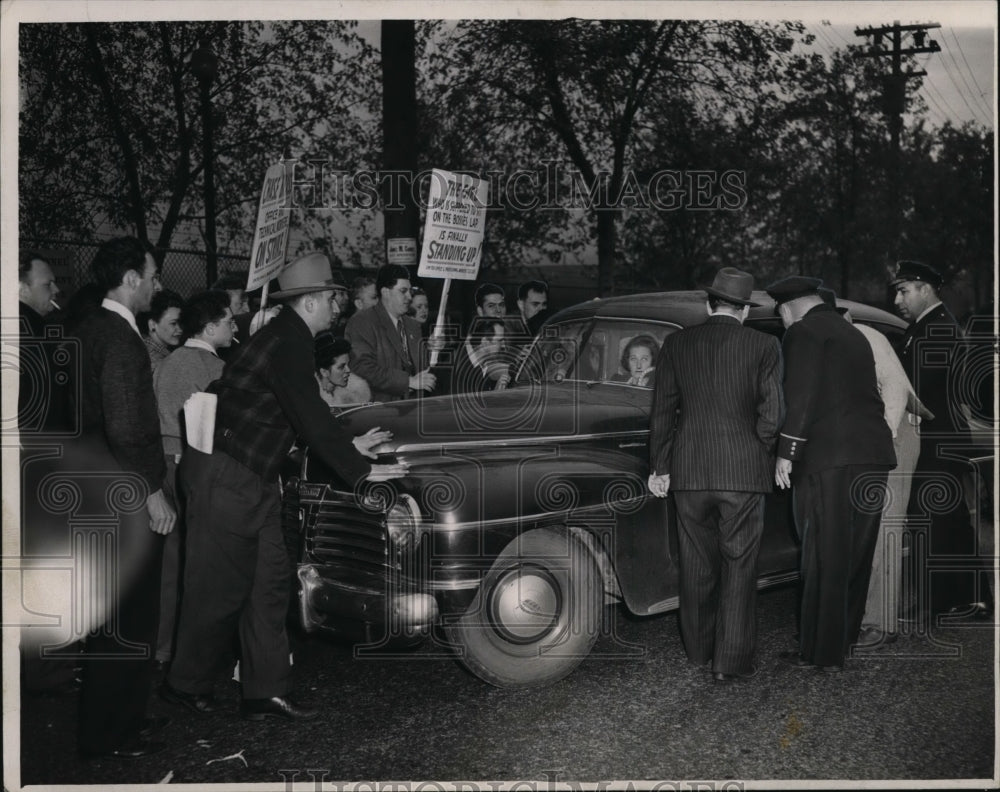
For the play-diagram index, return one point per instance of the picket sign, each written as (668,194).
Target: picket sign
(453,234)
(271,236)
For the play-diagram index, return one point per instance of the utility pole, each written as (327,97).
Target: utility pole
(895,98)
(399,141)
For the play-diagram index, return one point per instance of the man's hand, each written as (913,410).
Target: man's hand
(386,472)
(161,514)
(373,437)
(783,473)
(497,371)
(424,381)
(659,485)
(436,343)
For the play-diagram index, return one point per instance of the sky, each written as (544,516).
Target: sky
(959,82)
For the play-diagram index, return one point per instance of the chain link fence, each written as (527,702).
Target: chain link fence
(182,271)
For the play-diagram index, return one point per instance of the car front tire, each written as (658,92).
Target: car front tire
(536,615)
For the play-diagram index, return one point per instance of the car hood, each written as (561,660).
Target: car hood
(526,412)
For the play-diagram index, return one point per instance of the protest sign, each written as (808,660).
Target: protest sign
(270,236)
(453,229)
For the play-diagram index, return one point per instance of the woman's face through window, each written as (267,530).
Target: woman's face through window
(640,360)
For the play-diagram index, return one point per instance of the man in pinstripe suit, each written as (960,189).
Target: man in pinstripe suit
(716,410)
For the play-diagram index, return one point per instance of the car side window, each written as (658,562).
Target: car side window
(604,355)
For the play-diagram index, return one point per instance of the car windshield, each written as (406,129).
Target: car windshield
(603,350)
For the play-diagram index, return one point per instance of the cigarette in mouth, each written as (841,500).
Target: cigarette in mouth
(55,305)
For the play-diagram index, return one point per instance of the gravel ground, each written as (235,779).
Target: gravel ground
(922,708)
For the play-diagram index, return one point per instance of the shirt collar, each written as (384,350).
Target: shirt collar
(197,343)
(116,307)
(928,310)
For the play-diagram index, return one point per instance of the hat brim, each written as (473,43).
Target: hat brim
(910,279)
(330,285)
(728,297)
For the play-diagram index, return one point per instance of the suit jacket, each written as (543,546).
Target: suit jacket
(268,395)
(933,352)
(377,352)
(717,406)
(116,395)
(835,415)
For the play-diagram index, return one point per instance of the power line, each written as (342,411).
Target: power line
(958,88)
(979,93)
(944,116)
(941,96)
(839,35)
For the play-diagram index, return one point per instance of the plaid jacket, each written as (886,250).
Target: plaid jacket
(268,396)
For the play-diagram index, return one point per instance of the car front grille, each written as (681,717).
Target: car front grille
(338,531)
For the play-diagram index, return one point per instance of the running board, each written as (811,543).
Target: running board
(768,581)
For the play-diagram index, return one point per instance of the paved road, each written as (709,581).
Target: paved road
(922,708)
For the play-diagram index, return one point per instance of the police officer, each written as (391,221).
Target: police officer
(932,355)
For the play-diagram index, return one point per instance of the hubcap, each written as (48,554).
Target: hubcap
(526,604)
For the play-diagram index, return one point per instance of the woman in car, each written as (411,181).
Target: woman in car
(639,361)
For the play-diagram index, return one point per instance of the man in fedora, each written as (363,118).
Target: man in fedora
(836,448)
(932,355)
(717,406)
(237,576)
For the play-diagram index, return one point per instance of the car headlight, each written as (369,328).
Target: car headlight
(405,524)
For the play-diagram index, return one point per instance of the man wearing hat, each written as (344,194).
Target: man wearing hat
(836,448)
(237,576)
(717,406)
(931,355)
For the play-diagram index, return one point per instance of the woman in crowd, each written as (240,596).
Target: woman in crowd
(420,309)
(337,385)
(162,325)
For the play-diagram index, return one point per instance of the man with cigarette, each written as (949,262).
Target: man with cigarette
(36,290)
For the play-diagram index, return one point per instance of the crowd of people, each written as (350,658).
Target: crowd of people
(204,547)
(831,413)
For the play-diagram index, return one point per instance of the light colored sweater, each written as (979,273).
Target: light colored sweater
(185,371)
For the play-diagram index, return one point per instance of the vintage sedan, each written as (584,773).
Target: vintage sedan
(525,510)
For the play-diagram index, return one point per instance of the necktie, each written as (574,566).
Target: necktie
(407,360)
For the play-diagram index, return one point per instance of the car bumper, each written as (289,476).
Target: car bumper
(330,596)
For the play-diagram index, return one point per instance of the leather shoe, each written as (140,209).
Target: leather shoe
(795,660)
(722,678)
(136,748)
(832,669)
(152,725)
(275,707)
(196,702)
(873,636)
(975,611)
